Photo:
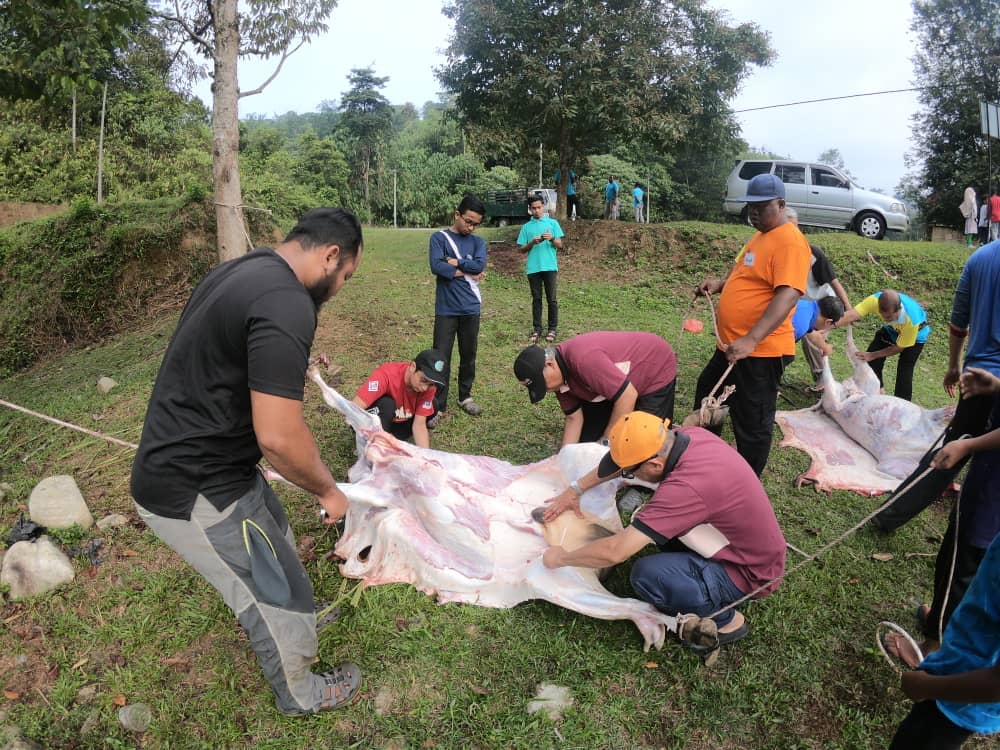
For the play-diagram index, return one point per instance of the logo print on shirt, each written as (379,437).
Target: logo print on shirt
(748,259)
(373,386)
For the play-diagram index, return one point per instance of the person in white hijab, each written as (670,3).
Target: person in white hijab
(968,209)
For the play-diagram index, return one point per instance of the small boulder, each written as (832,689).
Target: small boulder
(32,568)
(56,502)
(104,385)
(115,519)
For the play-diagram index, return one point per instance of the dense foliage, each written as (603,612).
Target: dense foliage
(644,80)
(957,65)
(387,162)
(94,270)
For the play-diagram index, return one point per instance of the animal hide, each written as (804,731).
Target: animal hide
(459,527)
(858,438)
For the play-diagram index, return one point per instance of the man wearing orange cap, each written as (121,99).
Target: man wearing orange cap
(709,515)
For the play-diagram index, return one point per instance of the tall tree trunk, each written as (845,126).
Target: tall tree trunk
(100,148)
(74,118)
(230,232)
(562,206)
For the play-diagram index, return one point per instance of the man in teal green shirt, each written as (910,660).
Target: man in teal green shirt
(540,238)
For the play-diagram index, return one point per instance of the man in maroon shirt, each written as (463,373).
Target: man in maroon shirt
(709,515)
(600,377)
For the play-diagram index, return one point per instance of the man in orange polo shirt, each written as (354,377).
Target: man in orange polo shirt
(755,319)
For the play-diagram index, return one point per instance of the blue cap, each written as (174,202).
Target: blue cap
(764,187)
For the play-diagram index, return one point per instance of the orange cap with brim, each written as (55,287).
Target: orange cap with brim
(634,439)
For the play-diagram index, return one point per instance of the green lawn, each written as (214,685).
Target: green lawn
(142,626)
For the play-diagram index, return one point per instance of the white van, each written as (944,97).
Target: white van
(822,195)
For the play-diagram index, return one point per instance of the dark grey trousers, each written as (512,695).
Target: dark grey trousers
(282,634)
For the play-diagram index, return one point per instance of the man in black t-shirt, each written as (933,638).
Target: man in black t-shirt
(821,282)
(229,391)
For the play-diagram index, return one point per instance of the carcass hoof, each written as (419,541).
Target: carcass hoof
(716,416)
(538,514)
(700,633)
(692,420)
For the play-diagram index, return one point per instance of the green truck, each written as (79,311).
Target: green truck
(505,207)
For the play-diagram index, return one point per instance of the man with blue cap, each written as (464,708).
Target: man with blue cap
(754,319)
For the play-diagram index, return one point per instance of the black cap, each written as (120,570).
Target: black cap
(431,364)
(529,369)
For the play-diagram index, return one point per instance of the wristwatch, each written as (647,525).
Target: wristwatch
(575,486)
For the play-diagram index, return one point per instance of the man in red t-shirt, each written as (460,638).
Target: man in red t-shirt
(709,515)
(401,395)
(994,215)
(755,319)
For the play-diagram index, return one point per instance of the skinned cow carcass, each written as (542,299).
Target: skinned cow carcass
(859,438)
(460,528)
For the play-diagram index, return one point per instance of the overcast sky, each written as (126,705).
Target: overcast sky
(824,49)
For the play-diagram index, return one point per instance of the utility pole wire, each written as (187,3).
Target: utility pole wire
(827,99)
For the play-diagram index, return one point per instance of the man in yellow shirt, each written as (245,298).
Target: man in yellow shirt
(755,312)
(904,333)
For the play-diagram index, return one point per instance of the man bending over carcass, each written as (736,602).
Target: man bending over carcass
(904,333)
(709,515)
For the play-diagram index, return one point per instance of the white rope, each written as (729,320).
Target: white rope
(59,422)
(239,209)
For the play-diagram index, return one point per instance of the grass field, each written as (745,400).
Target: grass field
(142,627)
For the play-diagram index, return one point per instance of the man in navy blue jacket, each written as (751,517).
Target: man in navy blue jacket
(458,260)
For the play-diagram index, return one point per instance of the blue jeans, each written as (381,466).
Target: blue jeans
(685,583)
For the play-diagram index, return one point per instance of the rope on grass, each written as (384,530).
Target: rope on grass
(884,270)
(711,405)
(826,548)
(84,430)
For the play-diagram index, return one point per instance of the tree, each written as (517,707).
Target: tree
(48,46)
(222,34)
(366,125)
(579,75)
(956,64)
(834,158)
(55,46)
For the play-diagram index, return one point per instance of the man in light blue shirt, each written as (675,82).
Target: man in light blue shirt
(540,238)
(637,195)
(611,190)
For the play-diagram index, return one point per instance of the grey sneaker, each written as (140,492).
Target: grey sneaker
(631,501)
(434,421)
(471,407)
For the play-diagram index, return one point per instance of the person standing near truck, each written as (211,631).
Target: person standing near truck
(540,238)
(572,199)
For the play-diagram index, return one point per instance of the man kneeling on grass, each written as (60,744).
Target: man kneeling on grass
(717,535)
(401,395)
